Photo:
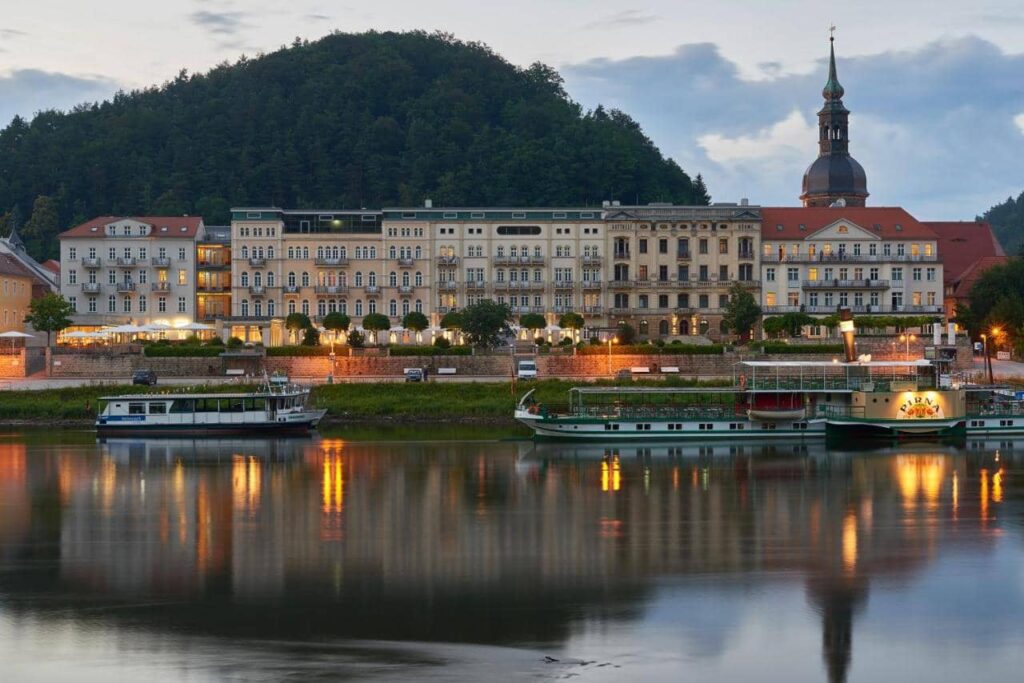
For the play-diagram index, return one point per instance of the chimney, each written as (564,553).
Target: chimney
(428,203)
(744,201)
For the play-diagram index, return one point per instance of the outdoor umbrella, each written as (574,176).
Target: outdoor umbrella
(12,335)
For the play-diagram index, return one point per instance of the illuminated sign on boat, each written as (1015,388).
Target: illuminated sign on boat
(920,407)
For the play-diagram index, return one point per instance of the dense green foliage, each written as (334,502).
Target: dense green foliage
(997,302)
(336,321)
(181,351)
(49,313)
(778,347)
(653,349)
(1007,220)
(348,121)
(742,313)
(415,321)
(485,322)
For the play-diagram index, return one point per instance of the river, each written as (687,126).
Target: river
(460,555)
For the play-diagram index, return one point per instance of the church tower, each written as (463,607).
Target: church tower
(835,176)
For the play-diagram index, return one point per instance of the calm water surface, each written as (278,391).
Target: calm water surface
(441,555)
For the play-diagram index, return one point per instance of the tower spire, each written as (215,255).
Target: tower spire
(833,90)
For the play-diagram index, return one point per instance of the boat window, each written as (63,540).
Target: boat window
(259,403)
(157,408)
(136,408)
(234,405)
(206,405)
(181,405)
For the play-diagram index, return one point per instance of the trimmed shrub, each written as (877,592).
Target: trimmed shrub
(442,343)
(651,350)
(182,351)
(430,351)
(301,351)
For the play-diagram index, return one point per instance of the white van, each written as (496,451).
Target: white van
(527,369)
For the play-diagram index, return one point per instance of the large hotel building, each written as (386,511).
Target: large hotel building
(665,270)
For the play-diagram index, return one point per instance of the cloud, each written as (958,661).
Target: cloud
(317,17)
(938,129)
(226,23)
(24,92)
(623,19)
(6,33)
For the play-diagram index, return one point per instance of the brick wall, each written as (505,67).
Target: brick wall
(121,366)
(12,365)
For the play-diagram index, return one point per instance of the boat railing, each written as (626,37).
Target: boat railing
(827,411)
(996,409)
(671,412)
(835,383)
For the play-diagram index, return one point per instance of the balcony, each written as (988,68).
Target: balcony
(206,287)
(406,262)
(92,262)
(447,285)
(405,289)
(847,257)
(746,254)
(127,262)
(475,284)
(592,260)
(327,290)
(125,286)
(620,284)
(331,262)
(518,260)
(447,260)
(592,310)
(846,284)
(160,262)
(371,289)
(257,290)
(90,288)
(203,265)
(862,309)
(591,284)
(563,284)
(683,256)
(290,289)
(161,286)
(621,254)
(257,262)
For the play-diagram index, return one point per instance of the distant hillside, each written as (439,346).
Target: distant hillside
(348,121)
(1007,221)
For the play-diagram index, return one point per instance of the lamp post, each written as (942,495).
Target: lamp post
(995,332)
(908,338)
(612,340)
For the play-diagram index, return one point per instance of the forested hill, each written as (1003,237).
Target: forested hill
(348,121)
(1007,220)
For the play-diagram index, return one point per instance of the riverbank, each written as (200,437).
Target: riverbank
(476,403)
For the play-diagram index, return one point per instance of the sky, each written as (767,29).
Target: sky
(728,88)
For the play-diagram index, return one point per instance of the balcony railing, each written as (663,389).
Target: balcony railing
(475,284)
(257,262)
(207,265)
(332,290)
(591,284)
(447,285)
(257,290)
(847,257)
(405,289)
(127,261)
(160,286)
(371,289)
(290,289)
(208,288)
(846,284)
(160,262)
(126,286)
(621,253)
(406,262)
(746,254)
(862,309)
(447,260)
(593,310)
(91,262)
(563,284)
(518,260)
(683,256)
(592,259)
(327,261)
(91,287)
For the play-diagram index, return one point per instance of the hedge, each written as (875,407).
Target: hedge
(651,350)
(430,351)
(162,351)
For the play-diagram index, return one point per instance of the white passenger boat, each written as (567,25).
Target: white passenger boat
(272,409)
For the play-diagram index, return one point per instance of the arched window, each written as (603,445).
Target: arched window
(373,252)
(270,279)
(419,306)
(305,252)
(257,308)
(321,308)
(393,308)
(342,278)
(405,279)
(245,308)
(291,280)
(684,326)
(305,279)
(245,279)
(371,305)
(419,279)
(257,279)
(245,251)
(305,307)
(645,328)
(419,251)
(663,327)
(359,307)
(343,306)
(371,279)
(392,252)
(291,252)
(405,307)
(359,278)
(291,306)
(332,306)
(270,308)
(270,252)
(320,252)
(393,279)
(343,252)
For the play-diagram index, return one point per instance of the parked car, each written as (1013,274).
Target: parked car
(415,375)
(527,369)
(147,377)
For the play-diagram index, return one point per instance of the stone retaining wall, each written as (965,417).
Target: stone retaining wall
(12,365)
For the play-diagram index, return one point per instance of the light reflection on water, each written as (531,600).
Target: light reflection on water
(471,559)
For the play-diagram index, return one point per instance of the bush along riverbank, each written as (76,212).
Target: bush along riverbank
(483,402)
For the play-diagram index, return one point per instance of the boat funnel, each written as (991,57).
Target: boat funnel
(846,328)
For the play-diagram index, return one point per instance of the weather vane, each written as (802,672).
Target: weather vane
(832,32)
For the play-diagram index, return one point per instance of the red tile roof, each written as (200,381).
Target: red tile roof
(962,285)
(52,266)
(962,243)
(174,225)
(11,266)
(878,220)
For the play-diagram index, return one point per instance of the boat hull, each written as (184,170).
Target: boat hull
(617,429)
(289,425)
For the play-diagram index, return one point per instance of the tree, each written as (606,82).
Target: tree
(486,322)
(41,230)
(356,339)
(742,312)
(452,321)
(415,321)
(572,321)
(311,337)
(532,321)
(297,322)
(625,333)
(336,322)
(49,313)
(376,322)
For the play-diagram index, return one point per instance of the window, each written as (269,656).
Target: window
(723,245)
(126,305)
(703,246)
(769,275)
(663,246)
(72,277)
(181,253)
(111,304)
(182,277)
(812,274)
(930,275)
(642,247)
(161,304)
(142,303)
(793,274)
(897,274)
(915,274)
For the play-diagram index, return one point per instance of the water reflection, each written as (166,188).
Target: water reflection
(502,543)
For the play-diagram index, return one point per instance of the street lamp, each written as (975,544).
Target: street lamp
(612,340)
(908,338)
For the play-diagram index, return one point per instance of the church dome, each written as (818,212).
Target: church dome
(838,175)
